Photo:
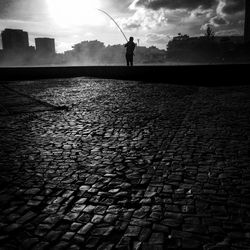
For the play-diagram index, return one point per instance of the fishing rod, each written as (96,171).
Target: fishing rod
(114,22)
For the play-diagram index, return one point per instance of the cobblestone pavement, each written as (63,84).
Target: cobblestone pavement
(12,102)
(128,166)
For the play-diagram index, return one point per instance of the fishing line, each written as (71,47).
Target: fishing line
(114,22)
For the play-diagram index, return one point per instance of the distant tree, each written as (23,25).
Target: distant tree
(95,52)
(209,33)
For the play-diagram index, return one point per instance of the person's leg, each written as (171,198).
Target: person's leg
(132,61)
(127,58)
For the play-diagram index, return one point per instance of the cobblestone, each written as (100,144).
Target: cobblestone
(127,165)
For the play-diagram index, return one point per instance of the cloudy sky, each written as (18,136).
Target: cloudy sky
(153,22)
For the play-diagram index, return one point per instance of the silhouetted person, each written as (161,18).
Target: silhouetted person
(130,51)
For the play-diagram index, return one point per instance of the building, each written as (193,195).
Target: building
(45,46)
(219,48)
(15,40)
(247,22)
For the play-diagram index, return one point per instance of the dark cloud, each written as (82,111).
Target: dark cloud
(229,32)
(217,21)
(23,9)
(234,6)
(5,7)
(177,4)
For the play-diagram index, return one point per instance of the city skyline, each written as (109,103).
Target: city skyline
(153,22)
(17,39)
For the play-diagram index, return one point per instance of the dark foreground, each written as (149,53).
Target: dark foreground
(202,75)
(127,166)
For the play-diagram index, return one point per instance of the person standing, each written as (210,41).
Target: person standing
(130,51)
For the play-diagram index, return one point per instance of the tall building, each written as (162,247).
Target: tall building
(45,46)
(15,39)
(247,22)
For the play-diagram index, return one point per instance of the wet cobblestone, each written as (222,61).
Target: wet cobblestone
(127,166)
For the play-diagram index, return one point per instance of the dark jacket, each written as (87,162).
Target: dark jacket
(130,48)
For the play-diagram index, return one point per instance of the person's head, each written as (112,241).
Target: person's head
(131,39)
